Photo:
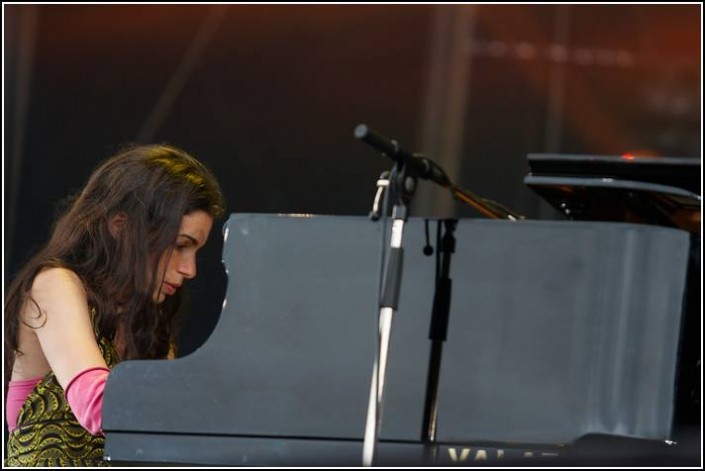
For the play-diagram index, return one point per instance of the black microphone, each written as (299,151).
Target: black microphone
(424,167)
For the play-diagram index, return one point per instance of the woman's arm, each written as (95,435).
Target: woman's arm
(62,322)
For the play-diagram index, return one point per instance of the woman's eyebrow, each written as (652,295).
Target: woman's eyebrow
(192,240)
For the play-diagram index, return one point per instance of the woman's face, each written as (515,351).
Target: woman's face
(180,264)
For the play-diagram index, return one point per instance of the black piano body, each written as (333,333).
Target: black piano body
(663,191)
(558,330)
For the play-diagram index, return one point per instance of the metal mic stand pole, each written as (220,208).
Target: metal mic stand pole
(445,247)
(489,208)
(401,187)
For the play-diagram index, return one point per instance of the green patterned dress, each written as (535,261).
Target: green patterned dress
(48,433)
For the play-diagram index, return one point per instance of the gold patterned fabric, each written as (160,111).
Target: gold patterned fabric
(48,433)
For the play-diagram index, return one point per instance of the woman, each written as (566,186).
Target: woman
(105,288)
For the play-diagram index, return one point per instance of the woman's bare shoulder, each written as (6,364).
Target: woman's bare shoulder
(57,277)
(54,288)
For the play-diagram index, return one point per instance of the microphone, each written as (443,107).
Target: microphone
(424,167)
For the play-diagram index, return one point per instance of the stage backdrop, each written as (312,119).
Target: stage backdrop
(268,96)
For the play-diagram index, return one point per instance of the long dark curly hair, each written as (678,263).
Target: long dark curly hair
(154,186)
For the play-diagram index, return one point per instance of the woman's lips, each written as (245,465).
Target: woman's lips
(169,288)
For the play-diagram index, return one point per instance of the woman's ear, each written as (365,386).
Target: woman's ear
(116,222)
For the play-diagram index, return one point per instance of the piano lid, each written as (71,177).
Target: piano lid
(662,191)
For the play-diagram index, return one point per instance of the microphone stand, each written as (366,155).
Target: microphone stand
(427,169)
(489,208)
(445,247)
(400,190)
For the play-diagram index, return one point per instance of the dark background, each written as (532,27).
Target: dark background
(268,96)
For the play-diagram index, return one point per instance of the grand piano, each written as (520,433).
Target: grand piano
(568,342)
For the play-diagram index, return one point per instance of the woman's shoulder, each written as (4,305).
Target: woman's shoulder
(55,276)
(54,283)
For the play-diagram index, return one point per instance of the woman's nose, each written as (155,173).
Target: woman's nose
(188,268)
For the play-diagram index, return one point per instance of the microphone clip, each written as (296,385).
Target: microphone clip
(382,184)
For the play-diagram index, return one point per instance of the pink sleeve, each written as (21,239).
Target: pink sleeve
(17,392)
(84,394)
